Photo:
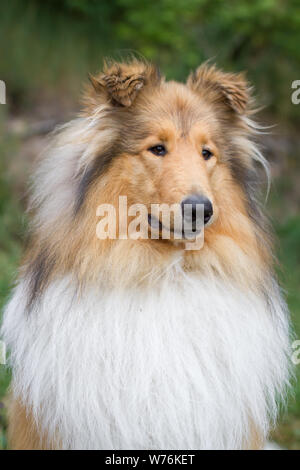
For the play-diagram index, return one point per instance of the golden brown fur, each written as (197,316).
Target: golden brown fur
(23,431)
(142,110)
(186,118)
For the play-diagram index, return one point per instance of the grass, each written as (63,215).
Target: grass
(12,227)
(11,239)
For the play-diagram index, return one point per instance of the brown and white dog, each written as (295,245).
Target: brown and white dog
(139,343)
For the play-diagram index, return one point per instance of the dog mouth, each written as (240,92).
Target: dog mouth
(179,233)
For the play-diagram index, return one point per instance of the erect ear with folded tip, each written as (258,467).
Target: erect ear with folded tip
(121,83)
(230,89)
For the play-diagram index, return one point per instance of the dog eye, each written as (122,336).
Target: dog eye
(206,154)
(159,150)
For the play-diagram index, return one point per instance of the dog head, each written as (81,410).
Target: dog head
(172,143)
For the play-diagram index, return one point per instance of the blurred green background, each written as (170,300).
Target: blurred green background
(47,49)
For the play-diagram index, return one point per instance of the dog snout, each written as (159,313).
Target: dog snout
(189,208)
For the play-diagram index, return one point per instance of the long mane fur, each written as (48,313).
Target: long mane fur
(139,344)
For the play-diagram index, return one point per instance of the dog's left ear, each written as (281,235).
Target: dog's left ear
(230,89)
(120,83)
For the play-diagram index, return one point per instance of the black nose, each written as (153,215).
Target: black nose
(189,208)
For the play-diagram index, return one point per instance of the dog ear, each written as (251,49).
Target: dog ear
(229,88)
(121,83)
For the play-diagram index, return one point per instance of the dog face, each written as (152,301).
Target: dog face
(156,142)
(173,143)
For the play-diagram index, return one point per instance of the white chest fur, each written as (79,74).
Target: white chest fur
(183,366)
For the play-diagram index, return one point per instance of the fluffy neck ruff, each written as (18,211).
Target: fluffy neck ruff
(195,363)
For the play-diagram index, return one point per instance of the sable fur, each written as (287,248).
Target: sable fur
(75,290)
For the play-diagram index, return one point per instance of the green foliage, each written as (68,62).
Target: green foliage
(11,225)
(48,47)
(11,238)
(55,43)
(288,433)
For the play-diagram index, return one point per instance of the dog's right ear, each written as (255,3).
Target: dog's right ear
(120,83)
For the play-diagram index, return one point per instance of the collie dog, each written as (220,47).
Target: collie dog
(140,343)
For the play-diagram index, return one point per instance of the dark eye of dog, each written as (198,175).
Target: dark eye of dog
(206,154)
(159,150)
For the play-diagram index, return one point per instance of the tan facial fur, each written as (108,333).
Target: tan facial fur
(128,110)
